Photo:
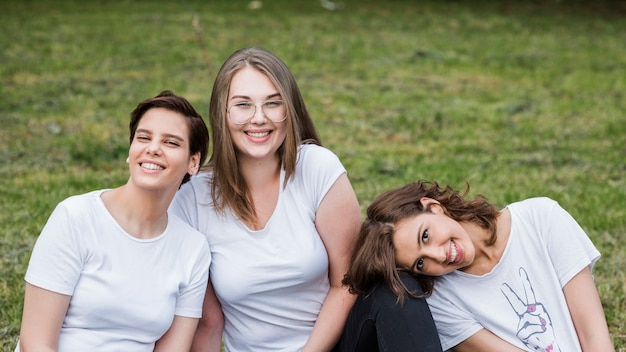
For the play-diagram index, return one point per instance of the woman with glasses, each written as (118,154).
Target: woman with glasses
(279,213)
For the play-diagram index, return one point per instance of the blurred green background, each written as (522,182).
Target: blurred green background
(517,98)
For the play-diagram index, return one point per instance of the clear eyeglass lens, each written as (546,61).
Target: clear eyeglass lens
(242,112)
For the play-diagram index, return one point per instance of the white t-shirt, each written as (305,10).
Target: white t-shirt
(271,283)
(125,291)
(545,250)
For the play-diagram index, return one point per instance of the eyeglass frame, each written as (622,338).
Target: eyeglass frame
(262,103)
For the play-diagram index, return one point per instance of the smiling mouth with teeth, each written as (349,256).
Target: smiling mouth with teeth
(453,252)
(151,166)
(258,134)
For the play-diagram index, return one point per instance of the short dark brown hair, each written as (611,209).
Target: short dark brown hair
(198,131)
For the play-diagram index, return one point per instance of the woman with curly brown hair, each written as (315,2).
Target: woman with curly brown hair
(499,280)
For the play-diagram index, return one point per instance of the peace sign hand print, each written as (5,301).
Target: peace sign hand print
(534,327)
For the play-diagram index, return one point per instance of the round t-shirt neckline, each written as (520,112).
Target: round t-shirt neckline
(121,229)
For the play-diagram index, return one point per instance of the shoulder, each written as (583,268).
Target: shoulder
(198,188)
(317,169)
(318,164)
(200,181)
(314,151)
(545,217)
(312,154)
(81,199)
(535,202)
(535,211)
(537,206)
(82,204)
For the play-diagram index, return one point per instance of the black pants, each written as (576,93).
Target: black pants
(377,323)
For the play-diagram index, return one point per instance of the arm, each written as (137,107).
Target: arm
(337,220)
(42,319)
(586,311)
(208,336)
(179,336)
(585,308)
(485,341)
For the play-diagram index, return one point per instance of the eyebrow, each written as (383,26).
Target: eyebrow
(269,97)
(168,135)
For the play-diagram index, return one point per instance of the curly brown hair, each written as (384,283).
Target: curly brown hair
(373,259)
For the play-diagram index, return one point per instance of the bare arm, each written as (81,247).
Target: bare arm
(337,220)
(586,311)
(485,341)
(179,336)
(42,319)
(585,308)
(208,336)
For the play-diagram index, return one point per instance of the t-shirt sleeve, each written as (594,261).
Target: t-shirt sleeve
(570,248)
(320,168)
(191,296)
(57,259)
(454,323)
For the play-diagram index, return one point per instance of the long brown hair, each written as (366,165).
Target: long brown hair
(373,259)
(228,187)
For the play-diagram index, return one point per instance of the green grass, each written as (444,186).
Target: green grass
(518,98)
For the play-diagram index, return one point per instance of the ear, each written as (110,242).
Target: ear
(433,204)
(194,164)
(128,160)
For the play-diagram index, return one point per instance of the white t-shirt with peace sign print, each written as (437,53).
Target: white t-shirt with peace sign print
(521,300)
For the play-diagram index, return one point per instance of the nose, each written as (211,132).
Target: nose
(259,115)
(154,148)
(437,254)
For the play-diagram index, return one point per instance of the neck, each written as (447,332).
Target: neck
(263,181)
(141,213)
(487,256)
(260,173)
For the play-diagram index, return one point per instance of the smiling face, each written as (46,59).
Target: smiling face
(432,244)
(259,138)
(159,152)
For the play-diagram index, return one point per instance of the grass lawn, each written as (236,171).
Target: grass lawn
(518,98)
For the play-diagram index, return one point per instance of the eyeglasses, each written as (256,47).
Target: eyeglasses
(242,112)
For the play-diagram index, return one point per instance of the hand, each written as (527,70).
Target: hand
(534,327)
